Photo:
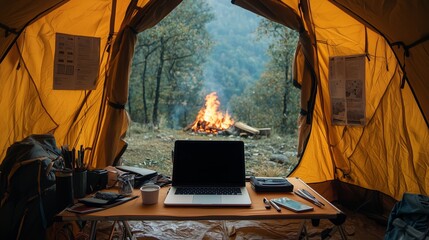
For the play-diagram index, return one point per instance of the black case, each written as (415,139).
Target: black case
(96,180)
(270,184)
(141,174)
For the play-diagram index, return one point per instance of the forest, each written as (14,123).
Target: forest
(206,46)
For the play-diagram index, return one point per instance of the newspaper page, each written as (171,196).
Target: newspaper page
(76,62)
(347,89)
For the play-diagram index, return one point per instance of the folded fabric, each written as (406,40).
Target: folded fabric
(101,199)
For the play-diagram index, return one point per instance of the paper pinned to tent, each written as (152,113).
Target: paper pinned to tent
(76,62)
(347,89)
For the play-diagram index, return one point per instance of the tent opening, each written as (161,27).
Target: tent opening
(213,49)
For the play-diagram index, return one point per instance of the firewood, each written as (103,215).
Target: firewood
(243,135)
(265,131)
(187,128)
(246,128)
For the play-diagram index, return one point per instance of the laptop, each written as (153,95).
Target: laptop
(208,173)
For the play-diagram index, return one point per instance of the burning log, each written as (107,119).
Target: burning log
(209,118)
(212,121)
(188,127)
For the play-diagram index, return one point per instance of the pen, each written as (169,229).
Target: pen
(275,206)
(267,203)
(312,200)
(305,192)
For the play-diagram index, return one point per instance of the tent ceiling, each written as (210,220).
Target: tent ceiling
(16,15)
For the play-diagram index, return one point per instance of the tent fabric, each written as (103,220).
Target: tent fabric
(15,17)
(116,119)
(404,25)
(389,154)
(28,101)
(304,78)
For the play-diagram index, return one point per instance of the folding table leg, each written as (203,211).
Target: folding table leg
(112,230)
(333,230)
(93,230)
(302,233)
(127,229)
(342,232)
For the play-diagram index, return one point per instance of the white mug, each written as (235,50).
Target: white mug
(150,193)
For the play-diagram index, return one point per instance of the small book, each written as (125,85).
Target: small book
(89,205)
(100,199)
(270,184)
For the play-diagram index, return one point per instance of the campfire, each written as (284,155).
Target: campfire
(210,119)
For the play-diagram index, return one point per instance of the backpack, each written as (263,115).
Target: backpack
(409,218)
(27,188)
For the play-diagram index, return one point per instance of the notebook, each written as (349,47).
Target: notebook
(208,173)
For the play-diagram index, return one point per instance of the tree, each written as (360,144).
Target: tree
(144,49)
(274,90)
(236,60)
(167,52)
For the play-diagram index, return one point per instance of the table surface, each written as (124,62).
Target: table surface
(134,210)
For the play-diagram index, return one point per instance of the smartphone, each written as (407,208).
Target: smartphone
(292,204)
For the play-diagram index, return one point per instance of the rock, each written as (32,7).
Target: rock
(280,158)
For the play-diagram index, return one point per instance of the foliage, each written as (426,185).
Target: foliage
(237,60)
(198,49)
(167,66)
(272,101)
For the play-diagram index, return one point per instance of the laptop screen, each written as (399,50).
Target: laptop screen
(208,163)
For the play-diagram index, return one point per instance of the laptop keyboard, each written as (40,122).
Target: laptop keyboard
(208,191)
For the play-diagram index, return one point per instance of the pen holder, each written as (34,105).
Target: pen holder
(64,188)
(79,183)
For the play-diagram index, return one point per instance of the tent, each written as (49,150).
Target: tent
(388,153)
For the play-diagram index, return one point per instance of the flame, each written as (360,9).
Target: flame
(210,119)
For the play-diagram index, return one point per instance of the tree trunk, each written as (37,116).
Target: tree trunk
(284,127)
(145,116)
(286,92)
(155,119)
(171,105)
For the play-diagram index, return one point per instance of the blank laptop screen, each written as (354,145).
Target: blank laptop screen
(208,163)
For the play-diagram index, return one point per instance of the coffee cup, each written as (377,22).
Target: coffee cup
(150,193)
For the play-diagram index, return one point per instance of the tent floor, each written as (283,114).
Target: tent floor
(357,226)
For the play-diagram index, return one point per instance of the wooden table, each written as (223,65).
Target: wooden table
(134,210)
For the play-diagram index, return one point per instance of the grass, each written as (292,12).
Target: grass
(152,148)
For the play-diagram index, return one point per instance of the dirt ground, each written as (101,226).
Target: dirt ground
(265,156)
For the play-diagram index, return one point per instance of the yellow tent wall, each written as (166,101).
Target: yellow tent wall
(28,102)
(390,153)
(96,118)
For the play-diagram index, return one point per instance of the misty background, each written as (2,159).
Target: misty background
(206,46)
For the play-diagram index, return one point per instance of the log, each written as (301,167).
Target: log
(265,131)
(246,128)
(187,128)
